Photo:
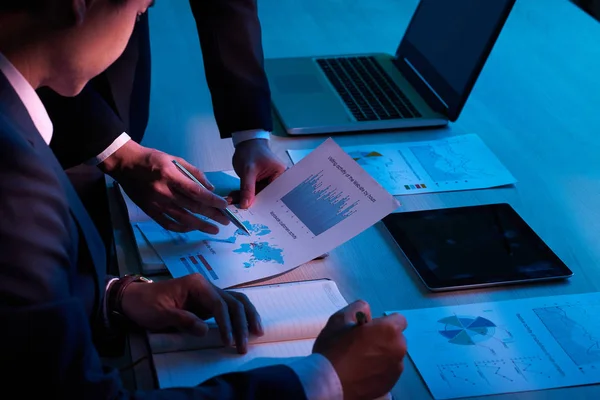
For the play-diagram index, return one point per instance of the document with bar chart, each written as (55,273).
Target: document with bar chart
(315,206)
(458,163)
(509,346)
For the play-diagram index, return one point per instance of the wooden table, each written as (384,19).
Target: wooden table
(536,105)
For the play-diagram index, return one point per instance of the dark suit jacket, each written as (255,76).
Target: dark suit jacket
(117,101)
(52,285)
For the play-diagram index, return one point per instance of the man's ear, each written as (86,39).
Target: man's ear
(64,13)
(79,10)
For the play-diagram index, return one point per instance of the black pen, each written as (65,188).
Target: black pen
(231,216)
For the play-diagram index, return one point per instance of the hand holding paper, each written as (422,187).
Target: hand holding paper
(315,206)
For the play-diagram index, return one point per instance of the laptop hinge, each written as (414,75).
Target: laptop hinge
(425,90)
(412,67)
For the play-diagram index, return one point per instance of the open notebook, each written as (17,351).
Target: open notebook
(292,314)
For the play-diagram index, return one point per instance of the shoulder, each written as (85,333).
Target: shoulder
(35,223)
(26,173)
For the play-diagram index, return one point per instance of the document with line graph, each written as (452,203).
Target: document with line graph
(457,163)
(315,206)
(508,346)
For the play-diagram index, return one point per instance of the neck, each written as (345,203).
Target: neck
(25,52)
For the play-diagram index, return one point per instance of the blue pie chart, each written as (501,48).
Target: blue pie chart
(466,331)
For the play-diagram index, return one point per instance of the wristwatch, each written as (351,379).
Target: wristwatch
(115,294)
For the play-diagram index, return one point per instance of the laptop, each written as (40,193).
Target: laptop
(425,84)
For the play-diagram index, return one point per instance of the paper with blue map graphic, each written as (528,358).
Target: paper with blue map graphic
(315,206)
(185,253)
(457,163)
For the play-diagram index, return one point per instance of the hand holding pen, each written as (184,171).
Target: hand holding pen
(230,216)
(366,353)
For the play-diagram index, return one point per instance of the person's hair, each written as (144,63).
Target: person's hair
(21,5)
(31,5)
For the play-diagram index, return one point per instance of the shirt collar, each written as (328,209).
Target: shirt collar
(29,97)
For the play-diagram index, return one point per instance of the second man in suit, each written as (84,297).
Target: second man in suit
(113,110)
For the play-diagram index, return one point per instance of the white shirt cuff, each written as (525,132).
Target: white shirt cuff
(104,305)
(114,146)
(318,378)
(242,136)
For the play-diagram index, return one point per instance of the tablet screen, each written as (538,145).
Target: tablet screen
(473,246)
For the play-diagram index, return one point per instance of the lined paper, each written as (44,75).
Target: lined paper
(290,311)
(190,368)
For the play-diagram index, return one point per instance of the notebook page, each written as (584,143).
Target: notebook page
(289,311)
(189,368)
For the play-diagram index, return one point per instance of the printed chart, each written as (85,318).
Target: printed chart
(576,328)
(456,163)
(511,346)
(319,206)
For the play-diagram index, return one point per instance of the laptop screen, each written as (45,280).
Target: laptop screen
(446,45)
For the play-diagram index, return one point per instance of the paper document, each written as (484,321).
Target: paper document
(315,206)
(458,163)
(293,315)
(224,181)
(505,347)
(190,368)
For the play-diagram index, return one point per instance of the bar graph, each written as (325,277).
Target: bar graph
(194,266)
(317,205)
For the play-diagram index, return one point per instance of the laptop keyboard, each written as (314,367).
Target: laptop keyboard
(366,89)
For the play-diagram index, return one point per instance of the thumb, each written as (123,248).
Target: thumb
(187,322)
(247,187)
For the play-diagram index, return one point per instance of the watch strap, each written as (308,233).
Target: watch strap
(116,290)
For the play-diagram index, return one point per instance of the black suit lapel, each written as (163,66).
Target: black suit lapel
(14,108)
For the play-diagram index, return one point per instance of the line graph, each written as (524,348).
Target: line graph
(389,170)
(458,374)
(533,367)
(443,163)
(495,370)
(576,328)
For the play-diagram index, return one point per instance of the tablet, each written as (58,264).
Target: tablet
(467,247)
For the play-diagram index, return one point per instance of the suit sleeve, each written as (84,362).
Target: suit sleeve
(49,351)
(84,125)
(230,36)
(46,336)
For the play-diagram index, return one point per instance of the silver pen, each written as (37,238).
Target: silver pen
(231,216)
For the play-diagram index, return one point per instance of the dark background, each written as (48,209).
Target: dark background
(592,7)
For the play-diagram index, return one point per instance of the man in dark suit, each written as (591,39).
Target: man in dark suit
(115,107)
(55,301)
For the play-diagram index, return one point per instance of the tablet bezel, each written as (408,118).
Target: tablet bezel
(435,284)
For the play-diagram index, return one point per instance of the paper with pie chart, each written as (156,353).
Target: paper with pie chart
(457,163)
(504,347)
(312,208)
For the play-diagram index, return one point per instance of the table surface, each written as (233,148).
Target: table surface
(536,105)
